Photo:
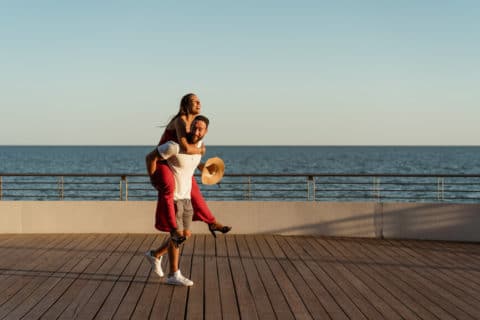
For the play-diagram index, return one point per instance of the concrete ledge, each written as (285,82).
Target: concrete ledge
(349,219)
(451,222)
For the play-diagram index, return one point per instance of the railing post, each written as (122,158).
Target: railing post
(126,187)
(60,187)
(249,188)
(121,188)
(440,189)
(123,178)
(310,181)
(376,188)
(314,189)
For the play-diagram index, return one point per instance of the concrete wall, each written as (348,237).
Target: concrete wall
(350,219)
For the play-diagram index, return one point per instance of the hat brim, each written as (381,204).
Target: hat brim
(213,171)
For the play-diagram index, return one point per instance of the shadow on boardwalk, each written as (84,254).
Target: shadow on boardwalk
(105,276)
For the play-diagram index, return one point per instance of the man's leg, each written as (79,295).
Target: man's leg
(173,256)
(175,277)
(155,256)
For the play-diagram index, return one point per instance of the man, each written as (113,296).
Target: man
(183,167)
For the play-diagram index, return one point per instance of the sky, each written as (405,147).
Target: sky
(266,72)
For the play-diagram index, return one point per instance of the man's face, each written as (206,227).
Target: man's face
(198,131)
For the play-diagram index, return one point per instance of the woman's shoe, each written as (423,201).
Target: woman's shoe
(213,227)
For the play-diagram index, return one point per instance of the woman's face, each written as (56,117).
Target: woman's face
(195,105)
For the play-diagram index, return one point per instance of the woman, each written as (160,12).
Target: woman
(163,180)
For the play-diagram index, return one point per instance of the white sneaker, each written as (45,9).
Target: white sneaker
(156,263)
(177,279)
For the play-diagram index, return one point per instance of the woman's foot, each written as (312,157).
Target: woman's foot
(214,227)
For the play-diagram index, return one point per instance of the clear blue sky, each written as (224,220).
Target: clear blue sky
(267,72)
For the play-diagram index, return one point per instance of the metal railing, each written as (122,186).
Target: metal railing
(251,187)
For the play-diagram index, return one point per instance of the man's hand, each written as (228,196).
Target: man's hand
(154,183)
(176,238)
(203,149)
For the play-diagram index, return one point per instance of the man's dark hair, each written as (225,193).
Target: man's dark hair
(201,118)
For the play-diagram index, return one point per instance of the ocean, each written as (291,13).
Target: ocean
(250,159)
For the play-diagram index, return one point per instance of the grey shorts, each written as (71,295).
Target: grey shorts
(184,214)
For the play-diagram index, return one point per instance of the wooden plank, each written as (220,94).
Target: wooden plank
(180,294)
(348,283)
(399,271)
(196,292)
(28,282)
(468,249)
(360,284)
(275,295)
(459,272)
(19,265)
(292,297)
(10,253)
(308,297)
(460,278)
(105,285)
(383,270)
(260,297)
(298,257)
(245,299)
(362,264)
(440,283)
(68,297)
(122,284)
(317,260)
(144,294)
(59,289)
(213,306)
(227,289)
(142,290)
(66,265)
(164,295)
(441,296)
(277,274)
(77,306)
(394,307)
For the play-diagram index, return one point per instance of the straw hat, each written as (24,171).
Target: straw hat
(212,170)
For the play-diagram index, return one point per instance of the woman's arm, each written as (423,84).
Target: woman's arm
(150,161)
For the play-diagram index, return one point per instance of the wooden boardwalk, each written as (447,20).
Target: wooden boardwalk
(99,276)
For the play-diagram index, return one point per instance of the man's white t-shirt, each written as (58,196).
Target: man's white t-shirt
(183,167)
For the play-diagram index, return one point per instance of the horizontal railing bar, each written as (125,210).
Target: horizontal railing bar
(54,189)
(56,196)
(240,197)
(306,187)
(382,183)
(443,175)
(373,197)
(392,197)
(464,191)
(56,182)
